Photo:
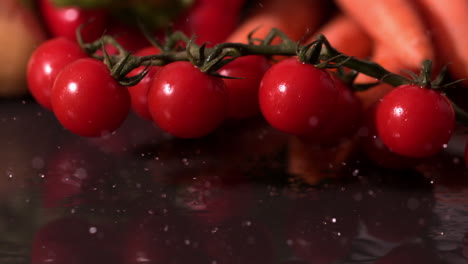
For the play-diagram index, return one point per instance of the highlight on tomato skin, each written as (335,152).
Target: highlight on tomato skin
(372,146)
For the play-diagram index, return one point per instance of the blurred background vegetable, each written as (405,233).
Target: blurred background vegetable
(20,34)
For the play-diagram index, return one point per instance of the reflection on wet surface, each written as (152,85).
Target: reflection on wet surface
(140,196)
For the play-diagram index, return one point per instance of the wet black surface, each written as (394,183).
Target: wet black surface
(140,196)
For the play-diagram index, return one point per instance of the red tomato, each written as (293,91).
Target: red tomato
(65,21)
(227,5)
(211,23)
(344,119)
(130,38)
(415,122)
(139,92)
(243,93)
(46,62)
(297,98)
(87,100)
(186,102)
(375,149)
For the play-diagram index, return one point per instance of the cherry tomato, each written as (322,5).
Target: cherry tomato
(345,118)
(415,122)
(186,102)
(87,100)
(243,93)
(376,150)
(210,23)
(227,5)
(64,21)
(139,92)
(130,38)
(46,62)
(297,98)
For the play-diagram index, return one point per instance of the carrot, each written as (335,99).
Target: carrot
(347,36)
(448,23)
(313,163)
(383,55)
(294,18)
(396,22)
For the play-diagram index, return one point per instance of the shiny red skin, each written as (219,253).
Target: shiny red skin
(376,150)
(87,100)
(46,62)
(64,21)
(344,120)
(243,93)
(210,21)
(139,92)
(415,122)
(297,98)
(186,102)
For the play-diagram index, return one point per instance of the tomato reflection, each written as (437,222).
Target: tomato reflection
(396,205)
(321,227)
(74,241)
(410,254)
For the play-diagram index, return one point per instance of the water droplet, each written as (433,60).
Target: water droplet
(150,212)
(444,146)
(357,197)
(246,223)
(187,242)
(355,172)
(333,220)
(92,230)
(214,230)
(185,161)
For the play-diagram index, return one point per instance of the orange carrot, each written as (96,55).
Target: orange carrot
(293,17)
(384,56)
(347,36)
(448,22)
(395,22)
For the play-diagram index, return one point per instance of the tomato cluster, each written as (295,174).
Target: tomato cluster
(187,100)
